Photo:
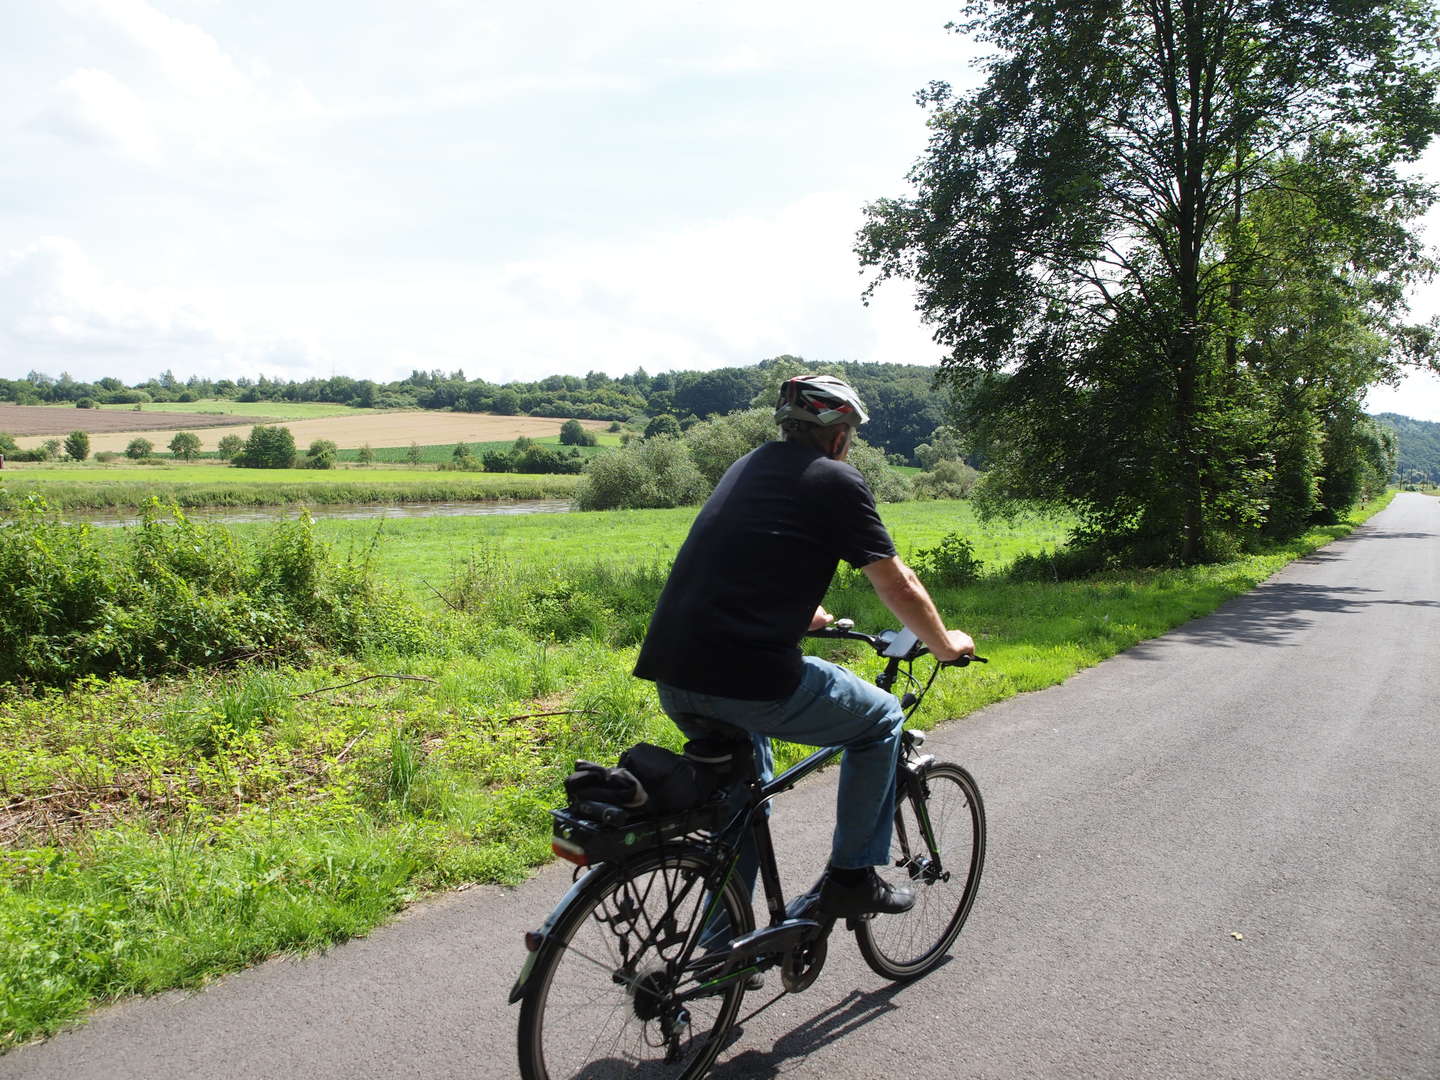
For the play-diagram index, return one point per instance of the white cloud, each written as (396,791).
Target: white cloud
(96,107)
(53,298)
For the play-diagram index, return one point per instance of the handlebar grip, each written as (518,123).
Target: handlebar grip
(962,661)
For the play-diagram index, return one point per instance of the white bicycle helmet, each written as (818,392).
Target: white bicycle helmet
(820,399)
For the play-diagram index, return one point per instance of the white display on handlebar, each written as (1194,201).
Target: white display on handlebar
(901,644)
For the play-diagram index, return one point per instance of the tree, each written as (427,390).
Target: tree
(321,455)
(573,433)
(365,455)
(1083,236)
(185,445)
(268,448)
(77,446)
(139,448)
(413,455)
(662,425)
(229,447)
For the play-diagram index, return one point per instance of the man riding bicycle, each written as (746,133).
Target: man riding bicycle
(723,644)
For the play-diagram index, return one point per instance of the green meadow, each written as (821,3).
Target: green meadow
(161,829)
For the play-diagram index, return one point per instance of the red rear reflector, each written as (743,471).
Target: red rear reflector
(568,851)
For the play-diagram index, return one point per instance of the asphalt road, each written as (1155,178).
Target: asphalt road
(1216,855)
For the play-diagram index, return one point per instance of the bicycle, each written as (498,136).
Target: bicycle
(641,967)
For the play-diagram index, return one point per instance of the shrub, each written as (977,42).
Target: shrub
(716,444)
(498,461)
(573,433)
(650,474)
(414,456)
(365,455)
(185,445)
(321,454)
(947,480)
(106,456)
(662,425)
(230,447)
(139,448)
(85,403)
(8,445)
(268,448)
(951,562)
(77,446)
(175,594)
(49,450)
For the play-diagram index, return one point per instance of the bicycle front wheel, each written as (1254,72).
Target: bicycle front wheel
(609,997)
(938,849)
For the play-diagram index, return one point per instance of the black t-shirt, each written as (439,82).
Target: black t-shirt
(755,566)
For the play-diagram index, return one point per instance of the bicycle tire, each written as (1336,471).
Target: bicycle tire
(597,1003)
(907,945)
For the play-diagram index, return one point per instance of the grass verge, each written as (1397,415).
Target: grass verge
(159,834)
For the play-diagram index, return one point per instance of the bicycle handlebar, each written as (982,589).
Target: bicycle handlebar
(845,628)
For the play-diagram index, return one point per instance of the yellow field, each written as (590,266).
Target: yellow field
(377,429)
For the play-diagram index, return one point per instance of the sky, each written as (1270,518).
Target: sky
(310,187)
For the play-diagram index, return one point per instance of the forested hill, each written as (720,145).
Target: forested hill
(905,408)
(1418,449)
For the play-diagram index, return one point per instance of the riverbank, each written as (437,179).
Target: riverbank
(214,486)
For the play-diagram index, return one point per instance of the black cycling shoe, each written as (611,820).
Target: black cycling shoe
(872,895)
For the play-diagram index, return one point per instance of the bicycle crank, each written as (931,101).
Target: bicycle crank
(800,968)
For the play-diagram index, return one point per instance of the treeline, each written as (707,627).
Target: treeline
(1418,455)
(904,405)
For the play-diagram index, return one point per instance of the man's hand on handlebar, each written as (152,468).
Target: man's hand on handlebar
(821,619)
(961,644)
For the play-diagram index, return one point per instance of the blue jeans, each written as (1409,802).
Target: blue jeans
(830,707)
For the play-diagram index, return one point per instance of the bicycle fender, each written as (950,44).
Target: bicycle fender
(547,927)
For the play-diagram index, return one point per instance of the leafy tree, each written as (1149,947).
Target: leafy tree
(268,447)
(498,461)
(365,455)
(50,449)
(506,403)
(413,455)
(321,455)
(573,433)
(462,455)
(648,474)
(85,403)
(139,448)
(229,447)
(77,446)
(8,444)
(185,445)
(661,426)
(1083,235)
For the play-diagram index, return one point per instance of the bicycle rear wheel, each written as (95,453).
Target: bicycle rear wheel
(938,849)
(607,997)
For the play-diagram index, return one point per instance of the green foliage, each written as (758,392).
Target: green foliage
(77,446)
(8,444)
(139,448)
(662,425)
(1214,263)
(229,447)
(268,447)
(950,563)
(717,443)
(573,433)
(413,454)
(85,403)
(185,445)
(321,454)
(1417,446)
(655,472)
(172,595)
(365,455)
(946,480)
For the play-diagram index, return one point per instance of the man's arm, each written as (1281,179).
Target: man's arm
(900,591)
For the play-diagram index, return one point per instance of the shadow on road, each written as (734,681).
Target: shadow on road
(1272,614)
(843,1018)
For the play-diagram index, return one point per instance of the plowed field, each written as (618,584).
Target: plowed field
(46,423)
(377,429)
